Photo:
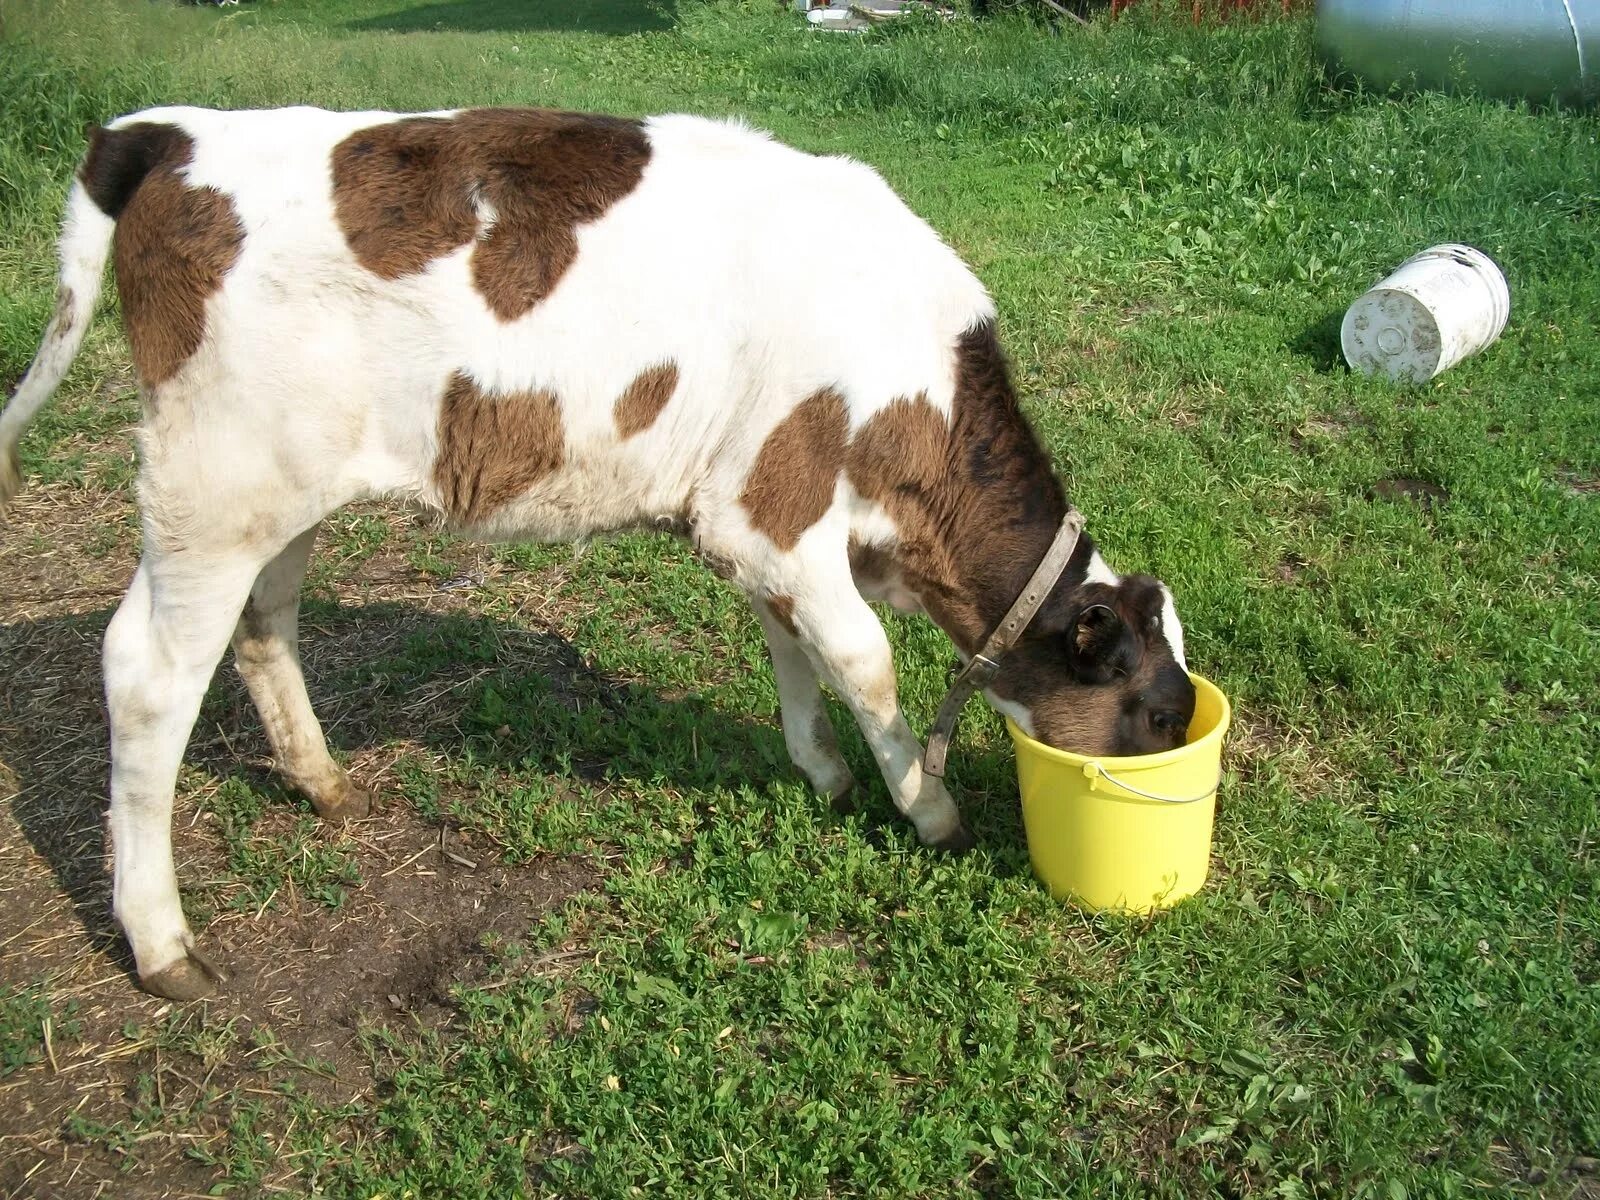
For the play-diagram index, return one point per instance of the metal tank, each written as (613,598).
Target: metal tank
(1536,49)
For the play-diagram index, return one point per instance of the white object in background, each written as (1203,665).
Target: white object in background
(1437,308)
(838,17)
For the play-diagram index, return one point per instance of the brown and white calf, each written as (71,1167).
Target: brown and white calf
(543,325)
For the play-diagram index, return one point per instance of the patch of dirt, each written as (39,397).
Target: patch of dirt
(1179,416)
(1579,484)
(1155,1146)
(838,941)
(1255,736)
(1256,743)
(392,953)
(1134,311)
(1145,1132)
(1418,491)
(1576,1176)
(129,1088)
(304,982)
(1318,433)
(66,551)
(1290,567)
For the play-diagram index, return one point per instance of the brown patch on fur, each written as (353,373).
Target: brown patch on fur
(408,192)
(870,563)
(1080,718)
(782,609)
(493,448)
(901,453)
(972,498)
(174,243)
(1009,503)
(119,159)
(642,400)
(791,484)
(901,459)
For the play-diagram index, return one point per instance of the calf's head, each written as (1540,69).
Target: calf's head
(1100,671)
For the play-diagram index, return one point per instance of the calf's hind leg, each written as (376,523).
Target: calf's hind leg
(161,649)
(266,650)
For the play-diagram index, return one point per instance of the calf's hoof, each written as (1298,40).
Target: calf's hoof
(958,841)
(843,799)
(349,803)
(190,978)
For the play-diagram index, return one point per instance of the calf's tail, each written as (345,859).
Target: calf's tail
(85,243)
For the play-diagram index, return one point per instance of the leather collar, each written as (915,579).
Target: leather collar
(982,667)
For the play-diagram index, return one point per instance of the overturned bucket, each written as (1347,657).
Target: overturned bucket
(1125,834)
(1437,308)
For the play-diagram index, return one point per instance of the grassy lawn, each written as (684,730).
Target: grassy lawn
(1391,986)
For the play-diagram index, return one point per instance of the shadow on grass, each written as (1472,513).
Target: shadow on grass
(386,673)
(612,17)
(1319,342)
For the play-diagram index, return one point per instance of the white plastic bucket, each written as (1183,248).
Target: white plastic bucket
(1437,308)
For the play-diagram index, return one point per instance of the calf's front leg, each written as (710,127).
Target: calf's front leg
(847,646)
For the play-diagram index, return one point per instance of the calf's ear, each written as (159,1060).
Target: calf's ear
(1098,644)
(1145,598)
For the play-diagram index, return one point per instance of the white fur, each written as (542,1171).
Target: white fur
(1020,713)
(871,525)
(1171,629)
(85,242)
(1099,572)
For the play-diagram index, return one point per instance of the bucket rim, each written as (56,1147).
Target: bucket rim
(1134,762)
(1481,258)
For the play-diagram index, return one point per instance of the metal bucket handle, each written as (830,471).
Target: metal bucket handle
(1096,770)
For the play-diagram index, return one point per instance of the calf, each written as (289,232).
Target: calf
(542,325)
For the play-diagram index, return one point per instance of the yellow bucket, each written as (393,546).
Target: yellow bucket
(1125,834)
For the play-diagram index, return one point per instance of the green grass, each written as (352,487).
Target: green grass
(26,1021)
(1389,989)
